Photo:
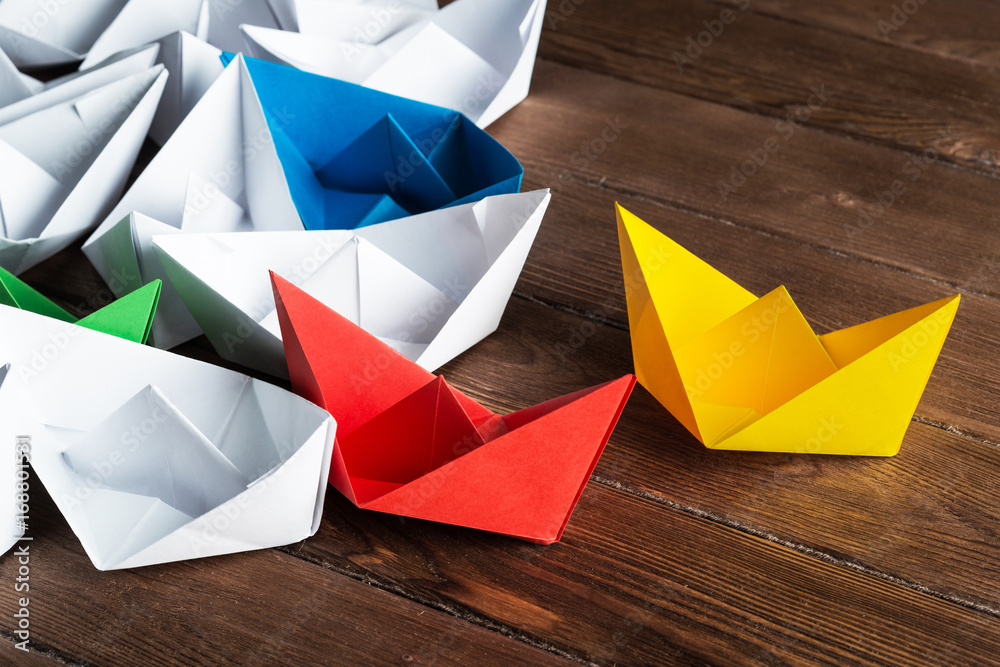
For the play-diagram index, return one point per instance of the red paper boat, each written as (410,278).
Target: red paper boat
(408,443)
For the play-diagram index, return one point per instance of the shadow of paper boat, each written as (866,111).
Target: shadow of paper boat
(750,374)
(410,444)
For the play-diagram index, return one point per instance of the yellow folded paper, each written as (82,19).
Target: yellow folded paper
(749,373)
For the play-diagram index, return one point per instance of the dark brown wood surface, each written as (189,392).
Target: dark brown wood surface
(675,554)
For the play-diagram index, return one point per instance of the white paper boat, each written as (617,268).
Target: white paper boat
(474,56)
(65,154)
(217,173)
(194,66)
(430,286)
(15,86)
(214,21)
(172,459)
(38,33)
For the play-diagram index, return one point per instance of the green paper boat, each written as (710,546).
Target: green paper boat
(130,317)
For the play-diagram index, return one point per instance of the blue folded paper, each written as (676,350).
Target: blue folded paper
(354,156)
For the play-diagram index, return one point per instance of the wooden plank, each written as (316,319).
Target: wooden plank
(634,582)
(33,657)
(771,243)
(878,92)
(817,188)
(258,608)
(550,353)
(965,29)
(925,516)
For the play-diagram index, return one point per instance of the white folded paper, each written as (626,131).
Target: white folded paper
(219,172)
(66,152)
(214,21)
(42,33)
(15,86)
(430,285)
(474,56)
(193,66)
(171,458)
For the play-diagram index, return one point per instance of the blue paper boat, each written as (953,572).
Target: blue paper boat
(353,156)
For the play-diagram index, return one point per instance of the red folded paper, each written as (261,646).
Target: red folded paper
(408,443)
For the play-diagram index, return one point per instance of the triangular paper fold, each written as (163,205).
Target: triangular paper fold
(475,56)
(152,457)
(430,286)
(335,137)
(412,445)
(129,317)
(67,152)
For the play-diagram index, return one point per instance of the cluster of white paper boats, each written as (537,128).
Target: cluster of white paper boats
(401,215)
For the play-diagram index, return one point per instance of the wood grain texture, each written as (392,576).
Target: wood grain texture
(877,92)
(926,516)
(577,263)
(676,554)
(258,608)
(965,29)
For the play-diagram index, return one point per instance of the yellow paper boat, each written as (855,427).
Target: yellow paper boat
(748,373)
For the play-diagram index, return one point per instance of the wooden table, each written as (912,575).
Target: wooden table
(675,554)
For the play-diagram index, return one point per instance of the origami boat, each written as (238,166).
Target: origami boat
(430,286)
(353,156)
(410,444)
(42,35)
(65,154)
(748,373)
(129,317)
(213,21)
(15,86)
(172,459)
(194,66)
(475,56)
(234,165)
(202,180)
(37,33)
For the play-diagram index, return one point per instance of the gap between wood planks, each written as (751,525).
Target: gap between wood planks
(899,44)
(461,613)
(764,110)
(36,650)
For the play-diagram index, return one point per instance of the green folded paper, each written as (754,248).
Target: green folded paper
(130,317)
